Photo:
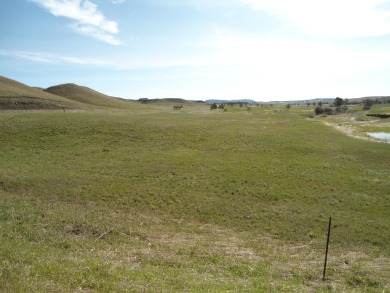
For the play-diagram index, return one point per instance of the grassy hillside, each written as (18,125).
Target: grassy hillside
(17,96)
(86,95)
(193,200)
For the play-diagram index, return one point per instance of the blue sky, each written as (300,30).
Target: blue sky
(200,49)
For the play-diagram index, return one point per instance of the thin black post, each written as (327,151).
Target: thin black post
(327,247)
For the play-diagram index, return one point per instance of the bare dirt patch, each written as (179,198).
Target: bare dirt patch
(353,127)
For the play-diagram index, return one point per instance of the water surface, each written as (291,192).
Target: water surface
(380,135)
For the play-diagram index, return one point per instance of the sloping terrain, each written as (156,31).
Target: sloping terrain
(86,95)
(18,96)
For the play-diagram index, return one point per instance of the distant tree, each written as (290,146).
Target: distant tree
(143,100)
(288,106)
(213,106)
(338,102)
(221,106)
(318,110)
(320,104)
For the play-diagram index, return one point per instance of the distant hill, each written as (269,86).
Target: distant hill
(169,100)
(18,96)
(212,101)
(86,95)
(383,99)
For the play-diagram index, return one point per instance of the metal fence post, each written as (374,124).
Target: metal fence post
(327,249)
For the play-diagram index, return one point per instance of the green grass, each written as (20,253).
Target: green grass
(195,200)
(380,109)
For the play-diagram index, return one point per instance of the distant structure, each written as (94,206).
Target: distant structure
(143,100)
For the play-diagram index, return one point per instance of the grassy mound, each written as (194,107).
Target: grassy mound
(17,96)
(86,95)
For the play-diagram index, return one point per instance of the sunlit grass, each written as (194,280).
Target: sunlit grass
(193,200)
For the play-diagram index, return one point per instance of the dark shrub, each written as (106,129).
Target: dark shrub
(319,110)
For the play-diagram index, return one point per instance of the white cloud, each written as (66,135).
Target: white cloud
(294,68)
(91,30)
(37,57)
(118,1)
(89,20)
(84,61)
(330,18)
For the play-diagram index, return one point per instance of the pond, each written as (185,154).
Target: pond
(380,135)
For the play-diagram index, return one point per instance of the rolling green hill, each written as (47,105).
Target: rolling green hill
(18,96)
(86,95)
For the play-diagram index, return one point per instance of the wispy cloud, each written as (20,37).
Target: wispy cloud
(51,58)
(89,20)
(90,30)
(194,3)
(331,18)
(118,1)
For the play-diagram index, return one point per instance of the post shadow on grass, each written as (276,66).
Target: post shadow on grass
(327,250)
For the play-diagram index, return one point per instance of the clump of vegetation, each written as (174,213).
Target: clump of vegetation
(339,107)
(214,106)
(319,110)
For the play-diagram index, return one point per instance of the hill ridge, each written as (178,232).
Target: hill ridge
(85,95)
(19,96)
(15,95)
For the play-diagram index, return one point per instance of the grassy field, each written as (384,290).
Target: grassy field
(192,200)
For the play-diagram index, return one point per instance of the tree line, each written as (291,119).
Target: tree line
(341,105)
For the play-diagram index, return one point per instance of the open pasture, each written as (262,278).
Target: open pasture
(191,200)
